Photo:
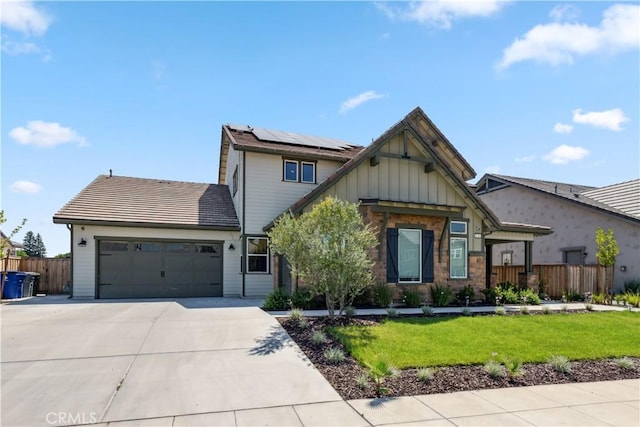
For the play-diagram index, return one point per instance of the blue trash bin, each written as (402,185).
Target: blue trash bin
(13,284)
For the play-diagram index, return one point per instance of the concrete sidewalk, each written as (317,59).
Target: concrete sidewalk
(609,403)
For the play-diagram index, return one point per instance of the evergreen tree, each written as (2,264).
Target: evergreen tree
(29,243)
(41,249)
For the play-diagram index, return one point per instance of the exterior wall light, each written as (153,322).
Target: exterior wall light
(82,243)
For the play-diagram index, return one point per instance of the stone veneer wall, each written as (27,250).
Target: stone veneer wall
(476,266)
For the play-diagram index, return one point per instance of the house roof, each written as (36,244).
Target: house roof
(407,123)
(118,200)
(621,200)
(11,242)
(246,138)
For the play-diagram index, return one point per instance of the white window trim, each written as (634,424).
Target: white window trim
(419,256)
(284,170)
(465,257)
(266,255)
(458,232)
(313,178)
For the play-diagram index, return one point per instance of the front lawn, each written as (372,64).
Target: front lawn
(460,340)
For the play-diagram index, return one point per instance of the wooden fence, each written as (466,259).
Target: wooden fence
(55,273)
(558,278)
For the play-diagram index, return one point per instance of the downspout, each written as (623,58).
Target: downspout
(70,228)
(243,244)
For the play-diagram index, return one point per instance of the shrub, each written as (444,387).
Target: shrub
(633,299)
(500,311)
(545,309)
(598,298)
(296,314)
(382,295)
(494,369)
(363,381)
(467,311)
(571,295)
(465,295)
(349,311)
(513,367)
(632,285)
(427,310)
(565,308)
(411,297)
(440,294)
(527,296)
(425,374)
(276,300)
(524,309)
(560,364)
(303,323)
(625,363)
(318,338)
(589,306)
(334,355)
(379,371)
(301,299)
(490,296)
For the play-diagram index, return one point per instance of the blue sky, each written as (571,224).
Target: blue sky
(546,90)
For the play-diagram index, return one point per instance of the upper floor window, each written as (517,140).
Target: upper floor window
(235,181)
(299,171)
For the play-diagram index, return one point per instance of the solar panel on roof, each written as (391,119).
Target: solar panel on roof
(241,128)
(299,139)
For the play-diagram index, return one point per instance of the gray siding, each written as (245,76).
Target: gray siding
(573,226)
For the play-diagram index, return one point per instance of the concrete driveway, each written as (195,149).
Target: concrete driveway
(67,362)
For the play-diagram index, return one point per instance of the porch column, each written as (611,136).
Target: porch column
(488,264)
(528,265)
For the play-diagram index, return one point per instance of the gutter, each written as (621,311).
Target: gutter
(71,248)
(243,261)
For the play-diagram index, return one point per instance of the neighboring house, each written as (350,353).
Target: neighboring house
(574,212)
(12,247)
(140,237)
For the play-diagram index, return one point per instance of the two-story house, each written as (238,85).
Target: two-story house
(133,237)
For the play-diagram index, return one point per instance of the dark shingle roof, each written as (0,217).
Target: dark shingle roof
(591,197)
(245,139)
(152,202)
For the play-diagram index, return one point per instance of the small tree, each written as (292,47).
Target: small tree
(328,248)
(5,245)
(608,250)
(29,243)
(41,250)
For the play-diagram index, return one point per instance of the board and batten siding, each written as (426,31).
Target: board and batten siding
(233,160)
(402,180)
(573,225)
(84,258)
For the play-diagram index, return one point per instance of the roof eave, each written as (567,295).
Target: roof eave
(84,221)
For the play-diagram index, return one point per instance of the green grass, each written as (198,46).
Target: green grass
(445,341)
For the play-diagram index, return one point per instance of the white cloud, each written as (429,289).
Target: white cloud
(25,17)
(441,13)
(492,169)
(565,12)
(525,159)
(45,134)
(13,48)
(559,43)
(609,119)
(26,187)
(358,100)
(564,154)
(562,128)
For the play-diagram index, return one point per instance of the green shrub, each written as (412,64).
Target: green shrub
(560,364)
(571,295)
(301,299)
(494,369)
(465,295)
(276,300)
(588,306)
(467,311)
(633,299)
(490,296)
(296,314)
(411,297)
(524,309)
(545,309)
(425,374)
(380,370)
(440,294)
(625,363)
(363,381)
(500,311)
(334,355)
(598,298)
(349,311)
(382,295)
(513,367)
(527,296)
(392,312)
(318,338)
(427,310)
(632,285)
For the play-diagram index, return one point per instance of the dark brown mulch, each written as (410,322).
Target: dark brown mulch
(343,376)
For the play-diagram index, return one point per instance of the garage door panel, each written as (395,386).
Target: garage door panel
(159,269)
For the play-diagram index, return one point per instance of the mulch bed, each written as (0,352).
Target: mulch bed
(343,376)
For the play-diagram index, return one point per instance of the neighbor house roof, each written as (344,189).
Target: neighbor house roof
(246,138)
(118,200)
(11,242)
(622,200)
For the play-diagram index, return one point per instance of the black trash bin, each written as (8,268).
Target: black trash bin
(33,280)
(13,284)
